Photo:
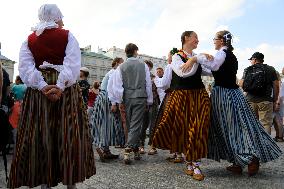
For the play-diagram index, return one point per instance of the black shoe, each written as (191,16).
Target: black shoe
(278,139)
(110,156)
(101,154)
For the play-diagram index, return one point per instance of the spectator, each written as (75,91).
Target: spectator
(84,84)
(261,84)
(279,113)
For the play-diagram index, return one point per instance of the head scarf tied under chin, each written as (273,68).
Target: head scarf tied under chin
(48,14)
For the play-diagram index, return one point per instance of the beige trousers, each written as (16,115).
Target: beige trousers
(264,112)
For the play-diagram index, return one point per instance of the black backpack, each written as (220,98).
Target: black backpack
(255,80)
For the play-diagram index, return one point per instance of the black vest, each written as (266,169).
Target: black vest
(226,75)
(191,82)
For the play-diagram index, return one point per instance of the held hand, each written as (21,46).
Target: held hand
(208,56)
(186,67)
(54,93)
(121,107)
(189,64)
(113,108)
(45,89)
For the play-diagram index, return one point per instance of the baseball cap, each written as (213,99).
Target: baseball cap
(257,55)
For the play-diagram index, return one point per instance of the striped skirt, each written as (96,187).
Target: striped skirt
(106,126)
(53,141)
(183,125)
(235,134)
(159,116)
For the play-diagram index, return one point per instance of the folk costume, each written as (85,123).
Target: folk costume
(184,124)
(235,134)
(53,141)
(106,126)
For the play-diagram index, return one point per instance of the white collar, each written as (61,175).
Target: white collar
(189,55)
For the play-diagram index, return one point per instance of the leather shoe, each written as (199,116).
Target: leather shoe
(253,167)
(236,169)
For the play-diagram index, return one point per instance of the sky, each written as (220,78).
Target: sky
(156,26)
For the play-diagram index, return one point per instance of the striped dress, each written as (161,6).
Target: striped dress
(106,126)
(183,125)
(235,134)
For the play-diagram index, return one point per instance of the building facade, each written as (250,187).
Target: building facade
(98,64)
(8,65)
(157,62)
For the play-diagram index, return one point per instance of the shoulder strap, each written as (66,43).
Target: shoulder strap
(182,58)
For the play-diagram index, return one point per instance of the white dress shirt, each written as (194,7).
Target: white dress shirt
(69,71)
(160,90)
(116,90)
(165,81)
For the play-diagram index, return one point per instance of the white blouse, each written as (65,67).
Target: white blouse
(214,64)
(69,71)
(165,81)
(115,88)
(177,63)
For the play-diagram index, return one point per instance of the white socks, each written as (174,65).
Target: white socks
(194,166)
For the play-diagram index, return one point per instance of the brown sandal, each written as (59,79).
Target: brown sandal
(189,171)
(152,151)
(198,177)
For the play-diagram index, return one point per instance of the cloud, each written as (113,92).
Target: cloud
(155,26)
(273,56)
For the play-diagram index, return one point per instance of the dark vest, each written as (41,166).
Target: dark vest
(226,75)
(50,46)
(192,82)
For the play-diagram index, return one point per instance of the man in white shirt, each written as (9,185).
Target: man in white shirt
(158,81)
(133,92)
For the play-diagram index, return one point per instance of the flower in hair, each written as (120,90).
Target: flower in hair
(227,36)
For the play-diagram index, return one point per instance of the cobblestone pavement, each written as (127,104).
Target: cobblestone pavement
(155,172)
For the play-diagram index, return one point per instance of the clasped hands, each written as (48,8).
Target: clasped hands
(191,61)
(52,92)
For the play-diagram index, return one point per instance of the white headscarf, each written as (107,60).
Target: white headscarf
(48,14)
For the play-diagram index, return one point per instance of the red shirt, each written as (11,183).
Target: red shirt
(92,98)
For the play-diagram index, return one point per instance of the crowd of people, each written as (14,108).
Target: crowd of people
(60,119)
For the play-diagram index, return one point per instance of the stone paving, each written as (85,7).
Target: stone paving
(155,172)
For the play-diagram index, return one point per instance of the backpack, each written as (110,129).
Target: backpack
(255,80)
